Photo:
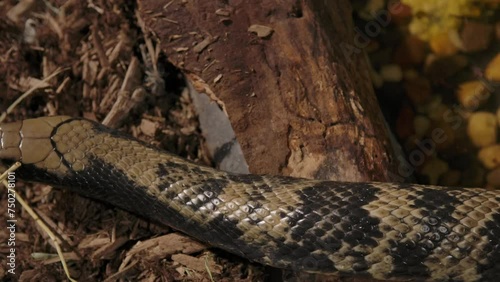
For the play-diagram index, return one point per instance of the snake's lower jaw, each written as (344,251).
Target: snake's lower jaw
(10,136)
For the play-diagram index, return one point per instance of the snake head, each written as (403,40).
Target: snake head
(28,141)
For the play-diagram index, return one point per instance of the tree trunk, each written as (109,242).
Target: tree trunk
(300,103)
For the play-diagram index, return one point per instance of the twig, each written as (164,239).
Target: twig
(129,96)
(29,92)
(33,215)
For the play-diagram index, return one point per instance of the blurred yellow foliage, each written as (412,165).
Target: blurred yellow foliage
(434,17)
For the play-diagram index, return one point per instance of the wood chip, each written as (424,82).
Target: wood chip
(96,39)
(166,245)
(121,273)
(203,44)
(126,101)
(26,83)
(93,241)
(181,49)
(223,12)
(262,31)
(174,37)
(168,4)
(199,264)
(149,127)
(218,78)
(22,237)
(109,249)
(71,256)
(57,228)
(22,8)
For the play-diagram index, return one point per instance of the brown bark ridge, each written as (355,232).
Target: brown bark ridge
(299,104)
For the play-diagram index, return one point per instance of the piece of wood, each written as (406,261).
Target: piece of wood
(300,103)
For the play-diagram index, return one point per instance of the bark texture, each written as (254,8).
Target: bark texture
(299,103)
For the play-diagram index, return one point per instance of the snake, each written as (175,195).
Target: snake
(382,230)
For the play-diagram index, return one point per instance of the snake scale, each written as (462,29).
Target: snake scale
(388,231)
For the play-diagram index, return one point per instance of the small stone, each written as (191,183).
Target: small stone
(409,74)
(411,51)
(261,30)
(410,143)
(472,94)
(482,129)
(433,169)
(422,125)
(30,34)
(418,89)
(435,109)
(476,36)
(450,178)
(442,67)
(442,45)
(492,71)
(455,39)
(391,73)
(400,13)
(438,112)
(493,178)
(490,156)
(443,134)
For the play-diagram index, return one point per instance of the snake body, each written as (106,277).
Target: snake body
(388,231)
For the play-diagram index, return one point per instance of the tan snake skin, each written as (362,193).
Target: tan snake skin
(388,231)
